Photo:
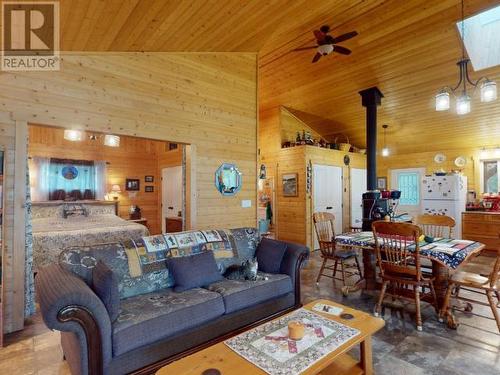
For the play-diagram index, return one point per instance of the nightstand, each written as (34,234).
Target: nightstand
(142,221)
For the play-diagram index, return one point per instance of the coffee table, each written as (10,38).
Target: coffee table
(220,357)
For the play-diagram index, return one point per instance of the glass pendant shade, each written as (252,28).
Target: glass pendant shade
(325,49)
(385,152)
(442,101)
(463,105)
(488,91)
(111,140)
(73,135)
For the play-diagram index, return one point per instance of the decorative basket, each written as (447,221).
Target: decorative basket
(346,146)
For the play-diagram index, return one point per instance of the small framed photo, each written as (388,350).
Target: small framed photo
(382,183)
(149,178)
(132,184)
(149,189)
(290,185)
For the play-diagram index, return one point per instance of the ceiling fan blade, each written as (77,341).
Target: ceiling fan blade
(342,50)
(304,48)
(346,36)
(316,57)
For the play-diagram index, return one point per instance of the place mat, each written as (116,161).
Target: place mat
(269,348)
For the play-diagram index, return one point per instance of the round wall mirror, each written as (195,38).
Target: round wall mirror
(228,179)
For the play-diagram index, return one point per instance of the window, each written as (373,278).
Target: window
(481,38)
(489,180)
(408,183)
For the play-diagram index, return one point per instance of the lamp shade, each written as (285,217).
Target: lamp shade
(116,189)
(463,105)
(442,101)
(488,91)
(73,135)
(111,140)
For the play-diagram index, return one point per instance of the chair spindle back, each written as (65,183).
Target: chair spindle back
(324,226)
(436,225)
(391,245)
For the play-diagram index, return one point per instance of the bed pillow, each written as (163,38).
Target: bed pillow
(194,271)
(269,255)
(105,285)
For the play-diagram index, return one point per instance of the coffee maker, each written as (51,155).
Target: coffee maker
(374,208)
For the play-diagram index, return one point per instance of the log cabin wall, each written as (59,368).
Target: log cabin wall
(426,160)
(294,214)
(207,100)
(135,158)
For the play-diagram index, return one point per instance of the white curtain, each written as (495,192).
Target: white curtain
(100,179)
(39,178)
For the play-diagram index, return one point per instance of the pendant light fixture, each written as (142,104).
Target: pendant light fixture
(385,150)
(463,99)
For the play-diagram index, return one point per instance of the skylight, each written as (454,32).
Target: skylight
(482,38)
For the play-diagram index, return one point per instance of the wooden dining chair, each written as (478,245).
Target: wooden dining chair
(324,226)
(477,277)
(399,266)
(436,225)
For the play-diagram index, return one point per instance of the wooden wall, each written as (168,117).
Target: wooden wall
(426,160)
(207,100)
(294,214)
(291,125)
(135,158)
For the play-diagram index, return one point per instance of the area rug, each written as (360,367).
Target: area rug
(269,348)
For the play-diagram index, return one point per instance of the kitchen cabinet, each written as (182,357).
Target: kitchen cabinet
(482,227)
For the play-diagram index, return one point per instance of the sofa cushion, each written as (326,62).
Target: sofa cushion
(105,285)
(193,271)
(270,254)
(239,294)
(147,318)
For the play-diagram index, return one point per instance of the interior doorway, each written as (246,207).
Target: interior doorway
(172,199)
(358,187)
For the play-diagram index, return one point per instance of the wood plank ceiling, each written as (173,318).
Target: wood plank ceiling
(407,48)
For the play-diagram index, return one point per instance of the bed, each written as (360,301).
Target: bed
(58,225)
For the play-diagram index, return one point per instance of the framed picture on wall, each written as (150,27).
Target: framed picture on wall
(149,189)
(290,185)
(132,184)
(382,183)
(149,178)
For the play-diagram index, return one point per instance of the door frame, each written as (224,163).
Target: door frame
(183,196)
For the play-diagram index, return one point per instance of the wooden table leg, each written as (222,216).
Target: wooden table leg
(441,275)
(368,281)
(366,356)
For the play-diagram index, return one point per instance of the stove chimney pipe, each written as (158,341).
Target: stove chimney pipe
(371,98)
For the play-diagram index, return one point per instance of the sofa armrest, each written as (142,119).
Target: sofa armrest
(291,264)
(68,304)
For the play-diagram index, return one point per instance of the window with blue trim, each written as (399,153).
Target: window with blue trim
(409,186)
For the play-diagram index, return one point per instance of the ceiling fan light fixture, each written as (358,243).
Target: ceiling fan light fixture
(488,91)
(442,101)
(325,49)
(463,104)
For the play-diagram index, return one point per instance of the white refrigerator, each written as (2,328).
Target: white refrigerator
(445,195)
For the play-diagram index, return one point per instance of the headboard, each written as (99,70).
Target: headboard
(64,208)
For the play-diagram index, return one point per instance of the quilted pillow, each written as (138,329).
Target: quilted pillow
(105,285)
(194,271)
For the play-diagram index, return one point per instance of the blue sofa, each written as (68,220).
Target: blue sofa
(155,324)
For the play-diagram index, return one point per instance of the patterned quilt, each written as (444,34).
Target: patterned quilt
(450,252)
(52,235)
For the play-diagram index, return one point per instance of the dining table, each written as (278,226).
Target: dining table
(445,255)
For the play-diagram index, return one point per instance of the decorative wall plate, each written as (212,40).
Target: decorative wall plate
(460,161)
(439,158)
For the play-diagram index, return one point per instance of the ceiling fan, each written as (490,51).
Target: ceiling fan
(327,43)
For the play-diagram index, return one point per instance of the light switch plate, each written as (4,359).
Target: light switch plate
(246,203)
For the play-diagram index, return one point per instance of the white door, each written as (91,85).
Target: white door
(327,194)
(358,187)
(408,182)
(172,197)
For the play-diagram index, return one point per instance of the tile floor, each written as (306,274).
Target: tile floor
(398,348)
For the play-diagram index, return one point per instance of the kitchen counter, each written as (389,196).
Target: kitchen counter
(482,226)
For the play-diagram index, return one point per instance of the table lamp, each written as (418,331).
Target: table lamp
(115,190)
